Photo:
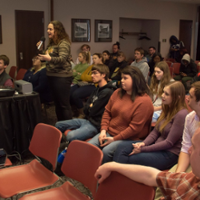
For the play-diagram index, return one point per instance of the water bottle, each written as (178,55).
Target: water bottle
(62,156)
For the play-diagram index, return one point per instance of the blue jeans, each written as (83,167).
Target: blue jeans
(161,160)
(108,151)
(83,129)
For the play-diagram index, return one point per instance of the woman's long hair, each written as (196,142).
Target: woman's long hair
(163,66)
(177,91)
(60,31)
(139,86)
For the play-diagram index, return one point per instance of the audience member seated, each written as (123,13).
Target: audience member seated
(117,65)
(155,59)
(84,88)
(161,77)
(141,62)
(124,116)
(106,57)
(93,109)
(175,46)
(162,146)
(37,76)
(85,48)
(188,70)
(152,51)
(115,49)
(191,125)
(80,68)
(173,185)
(5,79)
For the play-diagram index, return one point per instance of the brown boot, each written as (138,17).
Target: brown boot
(81,114)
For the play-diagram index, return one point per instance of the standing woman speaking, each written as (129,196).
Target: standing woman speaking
(59,71)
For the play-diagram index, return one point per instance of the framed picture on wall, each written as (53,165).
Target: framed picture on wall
(80,30)
(103,30)
(0,31)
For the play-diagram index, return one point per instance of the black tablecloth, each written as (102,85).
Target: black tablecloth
(18,116)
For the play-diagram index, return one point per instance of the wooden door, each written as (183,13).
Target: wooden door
(29,30)
(185,33)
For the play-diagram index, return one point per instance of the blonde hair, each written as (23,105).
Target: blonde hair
(164,80)
(86,55)
(177,91)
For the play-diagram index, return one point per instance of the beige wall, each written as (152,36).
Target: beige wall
(7,12)
(168,13)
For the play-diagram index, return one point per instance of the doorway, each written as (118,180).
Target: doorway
(29,30)
(185,33)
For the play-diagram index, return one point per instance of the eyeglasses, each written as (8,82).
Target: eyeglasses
(95,72)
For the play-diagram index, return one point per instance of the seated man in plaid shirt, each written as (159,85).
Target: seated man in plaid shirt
(182,186)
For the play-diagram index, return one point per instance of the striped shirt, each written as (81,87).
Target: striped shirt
(179,186)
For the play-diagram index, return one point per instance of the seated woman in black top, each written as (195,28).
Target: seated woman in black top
(106,57)
(37,76)
(117,65)
(156,58)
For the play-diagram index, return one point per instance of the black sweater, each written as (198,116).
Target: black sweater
(95,105)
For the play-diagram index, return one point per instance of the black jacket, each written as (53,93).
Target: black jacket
(95,105)
(114,65)
(190,70)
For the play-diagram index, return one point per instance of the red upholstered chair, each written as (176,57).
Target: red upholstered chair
(45,143)
(12,72)
(118,187)
(81,162)
(170,59)
(21,73)
(8,162)
(176,68)
(169,63)
(171,71)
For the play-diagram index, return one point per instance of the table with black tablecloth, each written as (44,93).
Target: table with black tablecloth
(19,114)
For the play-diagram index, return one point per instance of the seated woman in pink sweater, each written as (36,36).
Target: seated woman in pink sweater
(162,146)
(124,117)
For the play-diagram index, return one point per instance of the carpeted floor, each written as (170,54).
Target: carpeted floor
(49,117)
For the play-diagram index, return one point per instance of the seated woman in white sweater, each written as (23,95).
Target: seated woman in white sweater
(160,78)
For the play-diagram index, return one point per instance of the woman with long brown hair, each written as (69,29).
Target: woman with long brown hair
(160,78)
(162,146)
(58,66)
(124,117)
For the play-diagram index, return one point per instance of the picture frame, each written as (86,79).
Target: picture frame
(0,31)
(81,30)
(103,30)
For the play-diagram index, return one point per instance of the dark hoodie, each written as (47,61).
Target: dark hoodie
(175,44)
(95,105)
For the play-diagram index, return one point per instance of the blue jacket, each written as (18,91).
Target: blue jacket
(40,83)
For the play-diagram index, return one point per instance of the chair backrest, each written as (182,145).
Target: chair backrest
(118,187)
(45,142)
(176,68)
(21,73)
(169,63)
(171,71)
(12,72)
(81,162)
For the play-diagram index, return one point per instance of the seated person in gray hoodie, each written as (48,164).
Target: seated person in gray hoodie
(93,109)
(188,70)
(141,62)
